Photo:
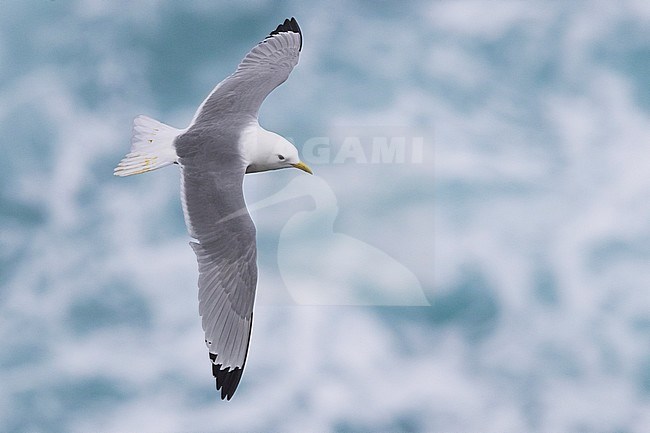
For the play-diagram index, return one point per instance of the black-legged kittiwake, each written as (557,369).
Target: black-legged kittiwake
(222,143)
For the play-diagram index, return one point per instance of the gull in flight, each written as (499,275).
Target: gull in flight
(223,142)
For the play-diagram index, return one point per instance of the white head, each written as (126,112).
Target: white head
(265,150)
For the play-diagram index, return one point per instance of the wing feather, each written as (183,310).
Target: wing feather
(226,255)
(212,172)
(263,69)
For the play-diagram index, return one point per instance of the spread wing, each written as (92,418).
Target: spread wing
(263,69)
(226,253)
(213,201)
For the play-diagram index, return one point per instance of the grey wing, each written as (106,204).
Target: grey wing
(226,254)
(263,69)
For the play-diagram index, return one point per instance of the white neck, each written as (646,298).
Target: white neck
(255,144)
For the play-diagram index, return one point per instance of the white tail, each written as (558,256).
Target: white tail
(152,147)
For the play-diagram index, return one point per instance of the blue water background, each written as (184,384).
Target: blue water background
(526,222)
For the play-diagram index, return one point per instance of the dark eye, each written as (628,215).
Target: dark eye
(281,158)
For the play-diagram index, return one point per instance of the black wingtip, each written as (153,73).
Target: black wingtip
(289,25)
(226,380)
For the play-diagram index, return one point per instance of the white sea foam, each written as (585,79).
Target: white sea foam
(526,224)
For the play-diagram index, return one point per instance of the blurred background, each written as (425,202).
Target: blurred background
(495,282)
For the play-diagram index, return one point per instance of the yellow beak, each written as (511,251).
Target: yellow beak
(303,167)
